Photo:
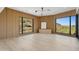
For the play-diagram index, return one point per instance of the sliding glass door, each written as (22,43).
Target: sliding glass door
(26,25)
(66,25)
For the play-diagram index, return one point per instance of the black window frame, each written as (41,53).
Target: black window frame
(22,26)
(69,34)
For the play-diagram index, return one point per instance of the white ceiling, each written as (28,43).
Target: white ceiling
(31,10)
(1,8)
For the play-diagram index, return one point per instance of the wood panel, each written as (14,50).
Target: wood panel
(3,24)
(12,23)
(50,22)
(67,13)
(9,21)
(36,24)
(51,19)
(13,19)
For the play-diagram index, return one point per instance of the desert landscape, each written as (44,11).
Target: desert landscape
(65,29)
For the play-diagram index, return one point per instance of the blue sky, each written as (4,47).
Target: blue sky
(65,21)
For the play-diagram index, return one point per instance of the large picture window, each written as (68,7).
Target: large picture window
(73,25)
(66,25)
(26,25)
(62,25)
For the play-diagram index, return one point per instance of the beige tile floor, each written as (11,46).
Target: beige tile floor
(40,42)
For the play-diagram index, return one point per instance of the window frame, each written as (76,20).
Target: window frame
(69,34)
(22,25)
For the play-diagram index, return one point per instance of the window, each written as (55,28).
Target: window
(26,25)
(73,25)
(43,25)
(66,25)
(62,25)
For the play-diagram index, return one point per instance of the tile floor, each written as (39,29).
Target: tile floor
(40,42)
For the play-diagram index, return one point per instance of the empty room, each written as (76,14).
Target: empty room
(39,29)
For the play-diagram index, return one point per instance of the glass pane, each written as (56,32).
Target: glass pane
(27,25)
(73,25)
(20,25)
(43,25)
(62,25)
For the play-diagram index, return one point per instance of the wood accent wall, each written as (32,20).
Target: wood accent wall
(50,22)
(9,22)
(51,19)
(64,14)
(3,24)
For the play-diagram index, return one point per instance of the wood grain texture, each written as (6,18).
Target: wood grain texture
(3,24)
(51,19)
(9,21)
